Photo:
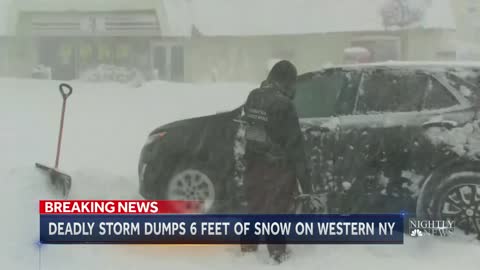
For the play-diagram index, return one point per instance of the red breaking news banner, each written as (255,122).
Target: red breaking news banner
(58,207)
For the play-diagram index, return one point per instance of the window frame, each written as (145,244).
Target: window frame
(312,76)
(391,70)
(447,88)
(356,87)
(460,101)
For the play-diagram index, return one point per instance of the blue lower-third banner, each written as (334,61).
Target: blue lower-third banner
(221,229)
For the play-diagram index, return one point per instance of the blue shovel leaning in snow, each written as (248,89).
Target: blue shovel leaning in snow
(61,181)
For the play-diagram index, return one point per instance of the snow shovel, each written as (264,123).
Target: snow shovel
(60,181)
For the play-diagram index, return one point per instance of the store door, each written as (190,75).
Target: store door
(168,62)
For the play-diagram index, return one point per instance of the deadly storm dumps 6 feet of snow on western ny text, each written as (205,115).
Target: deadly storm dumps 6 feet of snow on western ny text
(151,108)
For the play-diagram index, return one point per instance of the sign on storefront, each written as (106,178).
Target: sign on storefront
(73,24)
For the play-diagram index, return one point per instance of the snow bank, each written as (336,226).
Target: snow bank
(106,125)
(112,73)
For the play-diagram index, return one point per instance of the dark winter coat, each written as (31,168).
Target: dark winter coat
(275,133)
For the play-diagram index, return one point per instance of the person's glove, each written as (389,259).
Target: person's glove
(312,203)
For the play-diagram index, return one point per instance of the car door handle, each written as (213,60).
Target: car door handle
(440,123)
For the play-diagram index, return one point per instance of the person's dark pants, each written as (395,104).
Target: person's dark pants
(269,189)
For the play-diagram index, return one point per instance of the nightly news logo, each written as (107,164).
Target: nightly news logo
(419,228)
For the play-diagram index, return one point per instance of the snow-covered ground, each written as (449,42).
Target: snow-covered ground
(106,125)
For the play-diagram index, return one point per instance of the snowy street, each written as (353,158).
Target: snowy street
(106,126)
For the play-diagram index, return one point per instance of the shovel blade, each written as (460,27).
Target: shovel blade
(60,181)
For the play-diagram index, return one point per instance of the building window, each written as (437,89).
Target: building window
(160,62)
(4,56)
(177,64)
(107,51)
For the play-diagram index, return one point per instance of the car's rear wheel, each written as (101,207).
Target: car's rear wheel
(193,183)
(458,199)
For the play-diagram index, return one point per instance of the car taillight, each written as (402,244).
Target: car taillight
(156,136)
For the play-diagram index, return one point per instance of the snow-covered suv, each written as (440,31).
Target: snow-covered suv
(384,137)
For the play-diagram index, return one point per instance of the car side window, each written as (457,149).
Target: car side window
(391,91)
(317,96)
(347,97)
(438,97)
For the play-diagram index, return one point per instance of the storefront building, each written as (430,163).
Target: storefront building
(72,43)
(204,41)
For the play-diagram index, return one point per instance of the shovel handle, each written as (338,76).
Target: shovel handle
(66,90)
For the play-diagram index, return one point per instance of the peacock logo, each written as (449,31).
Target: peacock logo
(416,233)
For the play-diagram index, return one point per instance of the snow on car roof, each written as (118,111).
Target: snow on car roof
(414,64)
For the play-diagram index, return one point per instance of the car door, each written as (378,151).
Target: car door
(318,106)
(443,109)
(375,139)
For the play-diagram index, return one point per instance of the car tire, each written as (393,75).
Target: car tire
(458,199)
(195,182)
